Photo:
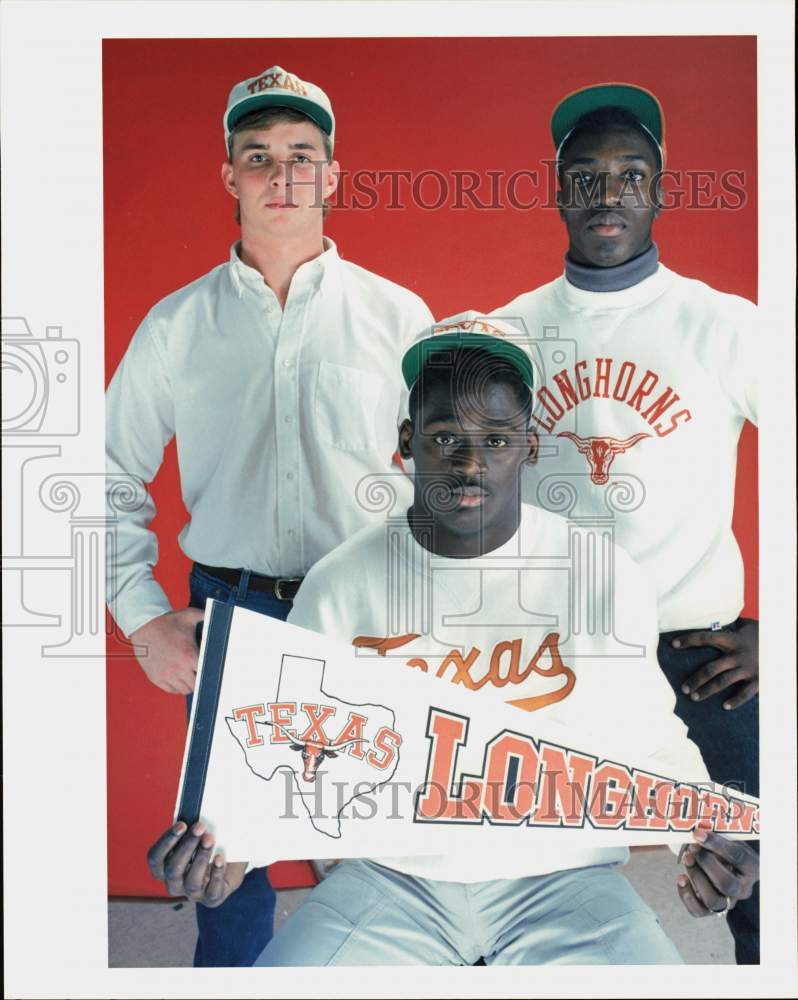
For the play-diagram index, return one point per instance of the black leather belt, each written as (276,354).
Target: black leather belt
(283,588)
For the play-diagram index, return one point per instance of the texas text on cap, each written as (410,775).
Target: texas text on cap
(275,87)
(468,329)
(636,100)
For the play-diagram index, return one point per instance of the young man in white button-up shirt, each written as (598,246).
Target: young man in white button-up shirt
(278,374)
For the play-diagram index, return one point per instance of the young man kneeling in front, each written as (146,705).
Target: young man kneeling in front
(469,438)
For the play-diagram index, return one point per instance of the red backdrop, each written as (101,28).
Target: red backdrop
(401,104)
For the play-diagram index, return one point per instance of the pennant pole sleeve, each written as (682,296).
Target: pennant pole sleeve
(203,715)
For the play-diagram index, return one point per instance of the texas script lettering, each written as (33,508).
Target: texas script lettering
(504,665)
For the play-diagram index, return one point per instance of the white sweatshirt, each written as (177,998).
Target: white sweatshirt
(674,360)
(494,613)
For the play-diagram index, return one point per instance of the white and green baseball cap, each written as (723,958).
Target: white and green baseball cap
(469,329)
(638,101)
(276,87)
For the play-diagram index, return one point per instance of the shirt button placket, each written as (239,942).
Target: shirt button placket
(287,414)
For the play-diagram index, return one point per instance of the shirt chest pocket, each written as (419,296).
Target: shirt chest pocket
(346,406)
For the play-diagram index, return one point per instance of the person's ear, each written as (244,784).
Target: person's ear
(558,197)
(405,439)
(532,444)
(332,179)
(228,179)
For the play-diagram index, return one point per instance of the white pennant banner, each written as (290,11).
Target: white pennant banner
(302,747)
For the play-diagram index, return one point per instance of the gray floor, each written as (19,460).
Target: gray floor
(157,934)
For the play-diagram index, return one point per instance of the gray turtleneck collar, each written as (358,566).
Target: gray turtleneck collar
(613,279)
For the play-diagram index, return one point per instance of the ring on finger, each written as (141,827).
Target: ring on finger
(725,910)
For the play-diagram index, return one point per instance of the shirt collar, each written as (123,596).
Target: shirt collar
(640,294)
(508,549)
(612,279)
(318,270)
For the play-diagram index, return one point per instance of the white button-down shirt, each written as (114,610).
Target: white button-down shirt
(279,415)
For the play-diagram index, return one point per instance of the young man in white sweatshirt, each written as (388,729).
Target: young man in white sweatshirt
(278,374)
(468,569)
(652,403)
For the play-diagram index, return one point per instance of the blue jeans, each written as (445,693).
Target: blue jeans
(235,933)
(729,744)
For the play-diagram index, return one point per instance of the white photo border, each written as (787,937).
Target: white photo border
(54,735)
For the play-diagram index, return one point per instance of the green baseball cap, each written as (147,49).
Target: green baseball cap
(469,329)
(636,100)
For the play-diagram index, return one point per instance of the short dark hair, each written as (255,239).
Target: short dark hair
(469,370)
(265,118)
(603,120)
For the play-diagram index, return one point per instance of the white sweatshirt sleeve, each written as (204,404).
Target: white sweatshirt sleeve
(316,607)
(139,425)
(739,346)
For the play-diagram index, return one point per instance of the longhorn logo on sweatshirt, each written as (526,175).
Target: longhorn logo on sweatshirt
(600,452)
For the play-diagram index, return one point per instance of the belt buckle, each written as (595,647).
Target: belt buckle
(278,587)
